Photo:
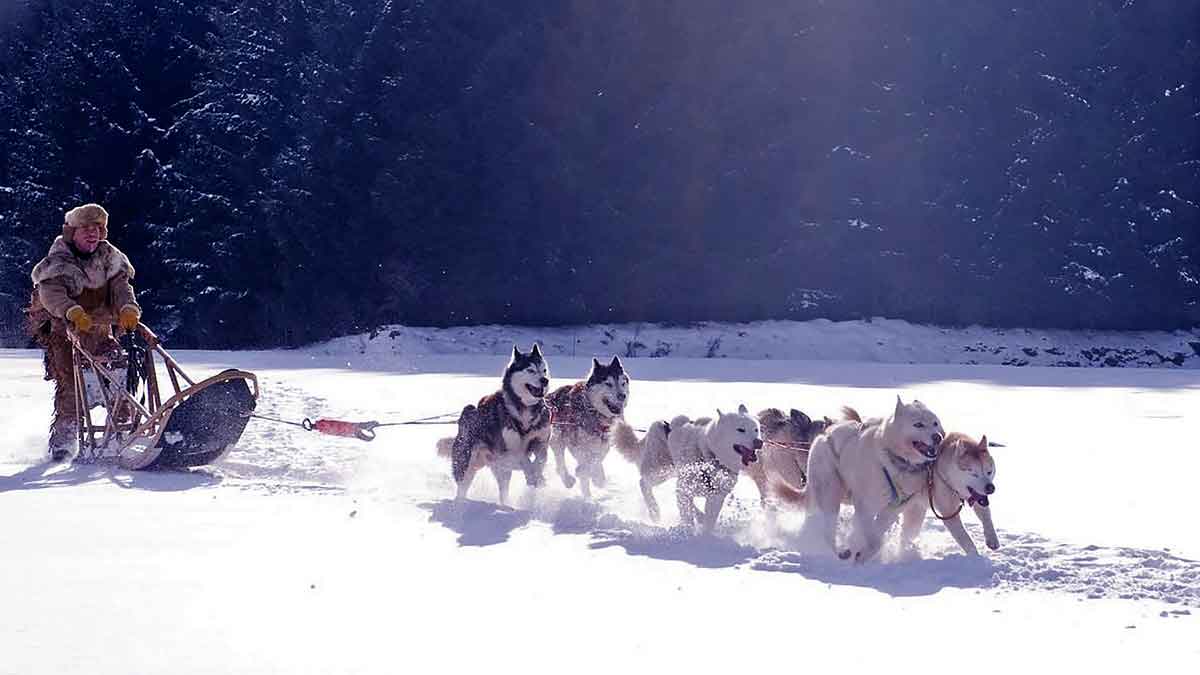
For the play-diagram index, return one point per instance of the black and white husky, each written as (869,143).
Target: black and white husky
(507,430)
(583,416)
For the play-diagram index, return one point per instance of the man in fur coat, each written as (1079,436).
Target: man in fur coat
(82,286)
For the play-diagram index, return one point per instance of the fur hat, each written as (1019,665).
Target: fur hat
(85,215)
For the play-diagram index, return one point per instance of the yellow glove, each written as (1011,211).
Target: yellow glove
(129,318)
(81,319)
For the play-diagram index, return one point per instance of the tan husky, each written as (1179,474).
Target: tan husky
(962,474)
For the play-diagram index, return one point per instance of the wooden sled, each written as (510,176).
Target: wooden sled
(197,425)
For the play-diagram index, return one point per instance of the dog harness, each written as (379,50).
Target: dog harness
(570,407)
(906,466)
(897,500)
(541,417)
(929,486)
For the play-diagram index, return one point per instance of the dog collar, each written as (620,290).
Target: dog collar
(969,499)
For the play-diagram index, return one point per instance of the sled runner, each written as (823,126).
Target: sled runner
(196,425)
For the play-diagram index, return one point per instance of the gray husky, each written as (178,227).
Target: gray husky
(783,460)
(583,415)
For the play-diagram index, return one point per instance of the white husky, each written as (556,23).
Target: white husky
(879,465)
(706,455)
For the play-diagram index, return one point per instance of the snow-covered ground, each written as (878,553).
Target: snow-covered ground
(309,554)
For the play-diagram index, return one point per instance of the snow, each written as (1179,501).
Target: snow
(308,554)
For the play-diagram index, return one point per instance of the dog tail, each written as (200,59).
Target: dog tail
(850,414)
(626,441)
(654,445)
(445,446)
(789,495)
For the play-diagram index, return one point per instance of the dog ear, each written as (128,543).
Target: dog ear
(899,406)
(828,422)
(536,352)
(800,419)
(771,418)
(516,353)
(616,364)
(596,364)
(983,444)
(720,414)
(742,410)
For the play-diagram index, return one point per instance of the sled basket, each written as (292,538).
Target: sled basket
(195,426)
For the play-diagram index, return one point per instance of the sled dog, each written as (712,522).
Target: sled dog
(704,455)
(507,430)
(878,465)
(583,414)
(962,474)
(783,459)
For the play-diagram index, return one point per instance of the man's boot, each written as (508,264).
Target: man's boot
(64,436)
(64,439)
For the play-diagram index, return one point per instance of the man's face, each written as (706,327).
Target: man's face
(87,237)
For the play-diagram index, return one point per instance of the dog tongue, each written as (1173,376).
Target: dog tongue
(927,451)
(748,455)
(977,498)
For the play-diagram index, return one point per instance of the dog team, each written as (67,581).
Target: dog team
(890,468)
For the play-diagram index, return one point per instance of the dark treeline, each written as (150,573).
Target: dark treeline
(282,172)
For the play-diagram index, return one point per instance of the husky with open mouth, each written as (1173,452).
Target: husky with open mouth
(507,430)
(878,465)
(962,474)
(583,416)
(706,455)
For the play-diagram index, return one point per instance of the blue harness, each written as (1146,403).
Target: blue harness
(906,466)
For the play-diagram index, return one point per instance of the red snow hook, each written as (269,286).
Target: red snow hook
(363,431)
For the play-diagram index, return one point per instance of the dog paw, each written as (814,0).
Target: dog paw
(568,481)
(993,544)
